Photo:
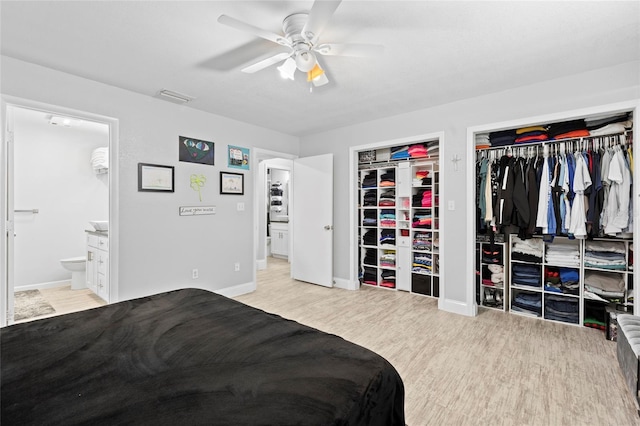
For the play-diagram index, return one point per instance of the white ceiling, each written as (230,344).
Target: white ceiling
(435,52)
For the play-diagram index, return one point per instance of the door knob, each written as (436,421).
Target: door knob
(328,227)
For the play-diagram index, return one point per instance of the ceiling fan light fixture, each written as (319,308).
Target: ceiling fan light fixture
(315,73)
(305,61)
(288,69)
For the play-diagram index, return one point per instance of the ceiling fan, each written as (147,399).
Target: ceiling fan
(301,35)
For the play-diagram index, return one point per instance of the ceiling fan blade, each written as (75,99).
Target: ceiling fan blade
(266,62)
(350,49)
(248,28)
(320,13)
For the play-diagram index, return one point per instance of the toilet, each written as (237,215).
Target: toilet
(77,266)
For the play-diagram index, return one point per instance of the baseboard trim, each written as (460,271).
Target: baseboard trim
(457,307)
(344,284)
(39,286)
(261,264)
(237,290)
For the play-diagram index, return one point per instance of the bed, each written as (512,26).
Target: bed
(190,357)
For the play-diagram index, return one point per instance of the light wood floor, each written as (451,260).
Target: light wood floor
(494,369)
(64,300)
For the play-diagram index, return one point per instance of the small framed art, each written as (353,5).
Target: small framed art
(155,178)
(231,183)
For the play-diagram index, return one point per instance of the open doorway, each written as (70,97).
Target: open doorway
(273,212)
(58,200)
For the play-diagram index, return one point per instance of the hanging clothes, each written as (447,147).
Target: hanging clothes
(581,181)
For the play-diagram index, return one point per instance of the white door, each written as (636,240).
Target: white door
(312,224)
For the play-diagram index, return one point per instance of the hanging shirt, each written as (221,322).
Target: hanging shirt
(581,181)
(618,202)
(542,220)
(566,205)
(606,186)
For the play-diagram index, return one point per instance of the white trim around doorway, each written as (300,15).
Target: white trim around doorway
(7,104)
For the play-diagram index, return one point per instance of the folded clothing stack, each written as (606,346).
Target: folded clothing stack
(563,254)
(502,138)
(388,259)
(422,178)
(605,284)
(388,278)
(526,275)
(605,255)
(482,141)
(418,150)
(422,241)
(527,303)
(531,134)
(370,257)
(421,263)
(388,236)
(387,198)
(370,276)
(493,275)
(609,125)
(568,129)
(388,178)
(387,218)
(422,198)
(369,218)
(560,308)
(370,180)
(370,238)
(561,280)
(422,220)
(400,152)
(527,250)
(370,198)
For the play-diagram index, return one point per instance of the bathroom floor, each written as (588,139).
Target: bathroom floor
(64,300)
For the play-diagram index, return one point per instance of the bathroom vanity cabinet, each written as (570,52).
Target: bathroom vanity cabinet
(280,239)
(98,264)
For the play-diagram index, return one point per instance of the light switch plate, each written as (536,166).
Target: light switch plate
(240,207)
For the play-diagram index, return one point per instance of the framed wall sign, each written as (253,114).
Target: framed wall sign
(155,178)
(231,183)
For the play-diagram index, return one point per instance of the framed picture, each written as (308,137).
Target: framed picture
(155,178)
(238,157)
(195,151)
(231,183)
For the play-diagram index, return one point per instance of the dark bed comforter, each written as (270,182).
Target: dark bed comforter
(190,357)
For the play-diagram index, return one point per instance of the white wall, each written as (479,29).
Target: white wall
(593,88)
(157,247)
(53,174)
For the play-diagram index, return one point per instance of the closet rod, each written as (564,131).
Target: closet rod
(556,141)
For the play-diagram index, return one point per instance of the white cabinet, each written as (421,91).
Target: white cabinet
(280,239)
(98,264)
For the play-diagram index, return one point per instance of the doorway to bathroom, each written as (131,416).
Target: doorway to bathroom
(273,201)
(57,186)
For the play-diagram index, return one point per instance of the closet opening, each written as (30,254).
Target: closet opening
(396,216)
(553,224)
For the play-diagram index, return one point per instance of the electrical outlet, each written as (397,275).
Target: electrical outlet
(236,267)
(194,274)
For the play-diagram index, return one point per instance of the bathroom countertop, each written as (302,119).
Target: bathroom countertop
(99,233)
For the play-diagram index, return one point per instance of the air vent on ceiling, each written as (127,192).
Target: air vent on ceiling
(175,97)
